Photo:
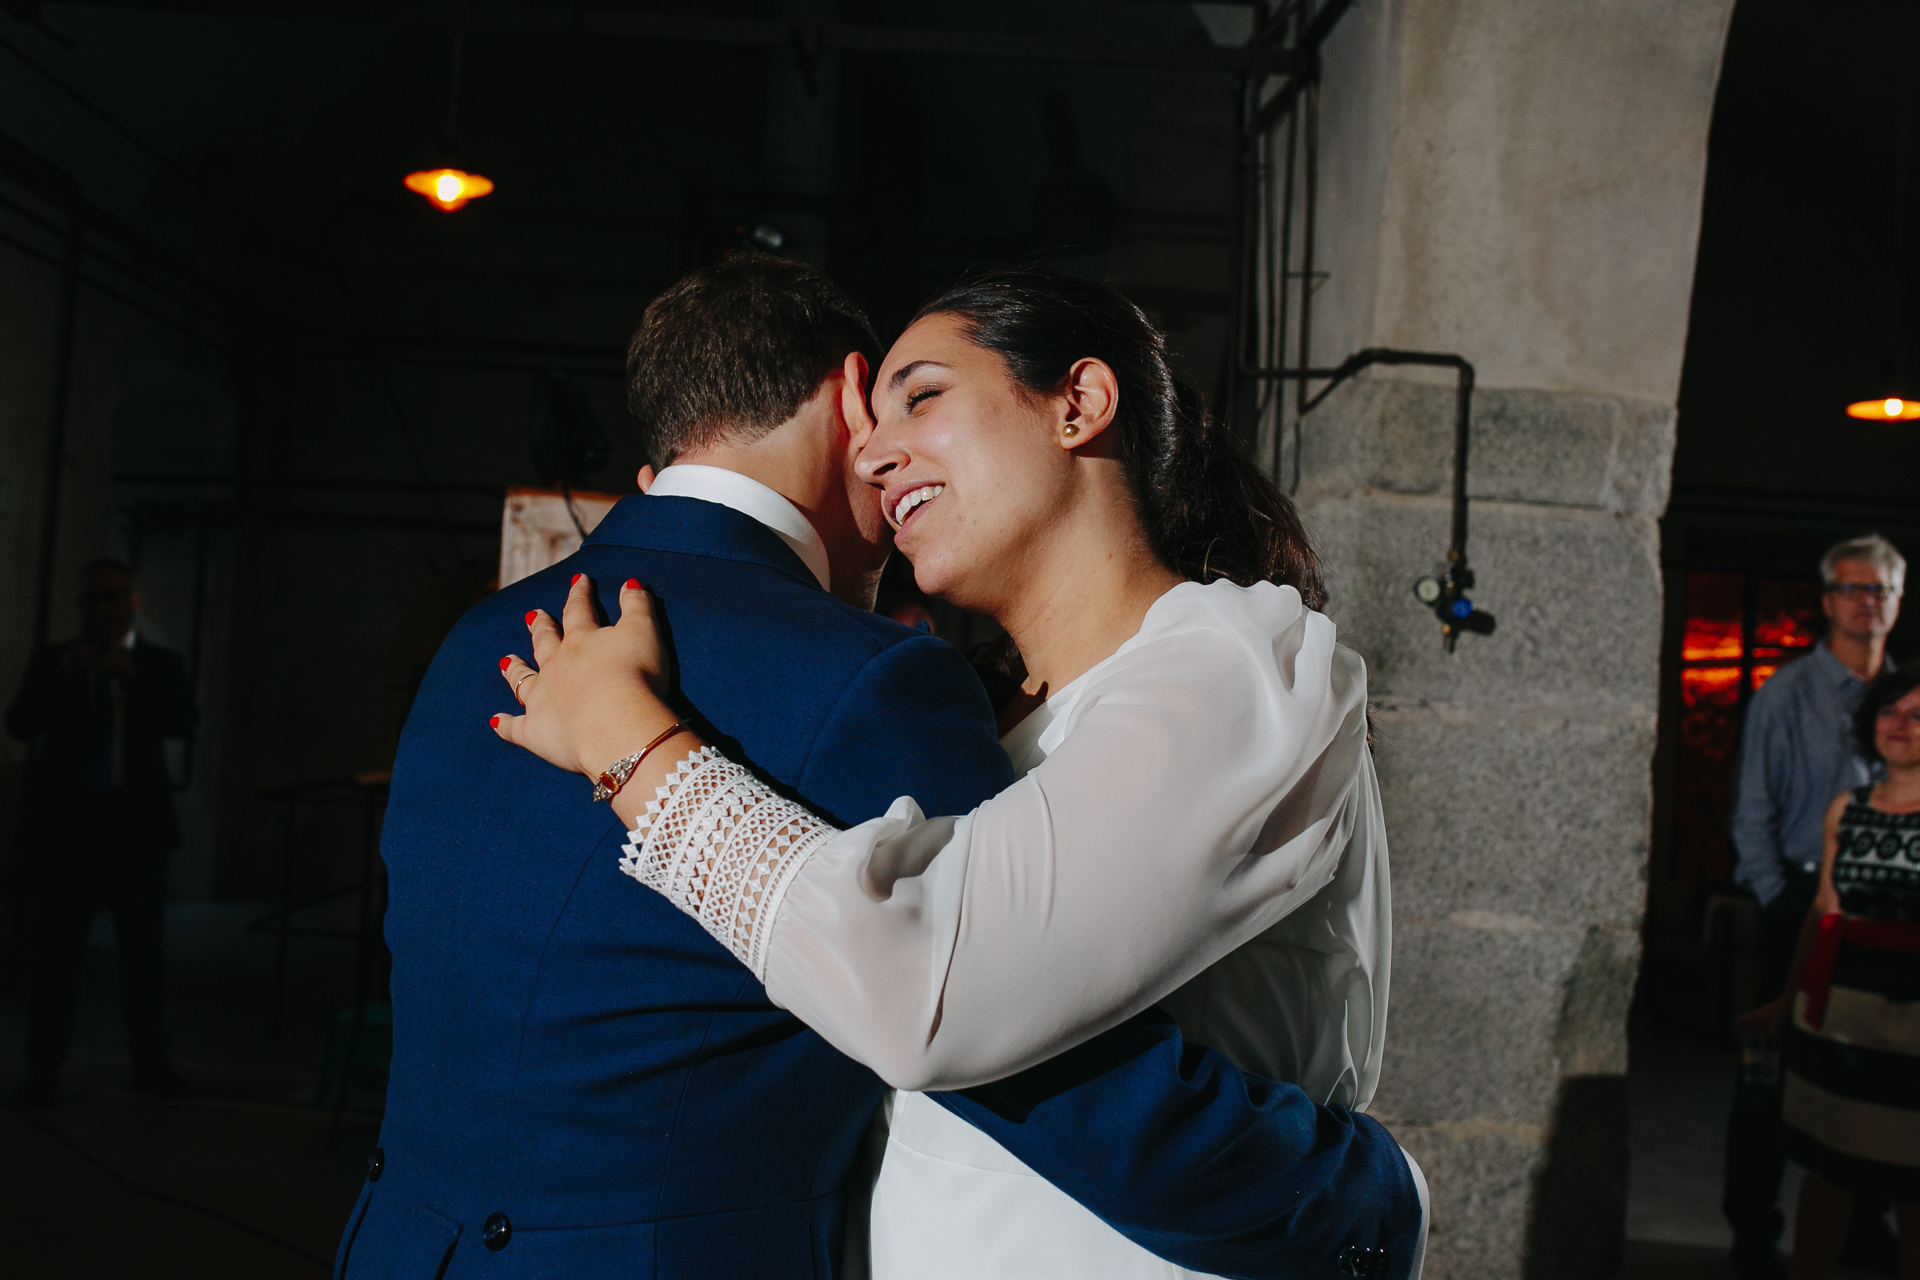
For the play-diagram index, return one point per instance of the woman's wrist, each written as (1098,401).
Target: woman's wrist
(652,772)
(608,746)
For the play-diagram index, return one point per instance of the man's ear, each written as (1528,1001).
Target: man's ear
(645,478)
(853,398)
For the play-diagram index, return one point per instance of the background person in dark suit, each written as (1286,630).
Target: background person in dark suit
(99,821)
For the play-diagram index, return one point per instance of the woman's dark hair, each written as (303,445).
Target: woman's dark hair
(1208,511)
(1886,689)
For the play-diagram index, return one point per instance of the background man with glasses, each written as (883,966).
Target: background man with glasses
(1796,755)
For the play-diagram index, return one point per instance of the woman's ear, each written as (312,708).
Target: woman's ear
(1093,396)
(853,399)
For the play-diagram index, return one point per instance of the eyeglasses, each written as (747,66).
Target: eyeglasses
(1875,591)
(1890,713)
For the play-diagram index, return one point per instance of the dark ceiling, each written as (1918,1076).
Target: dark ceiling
(265,142)
(1802,284)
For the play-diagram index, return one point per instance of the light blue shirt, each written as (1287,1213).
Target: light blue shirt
(1796,755)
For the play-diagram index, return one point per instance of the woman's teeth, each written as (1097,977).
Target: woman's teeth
(925,493)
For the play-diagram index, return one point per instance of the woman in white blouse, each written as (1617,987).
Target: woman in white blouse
(1195,823)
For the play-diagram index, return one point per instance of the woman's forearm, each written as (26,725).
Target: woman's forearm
(1179,818)
(943,955)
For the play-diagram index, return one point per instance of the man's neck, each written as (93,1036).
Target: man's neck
(802,470)
(1862,655)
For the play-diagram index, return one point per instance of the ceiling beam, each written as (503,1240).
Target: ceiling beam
(806,41)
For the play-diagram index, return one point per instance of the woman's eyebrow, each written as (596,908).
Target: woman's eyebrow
(907,370)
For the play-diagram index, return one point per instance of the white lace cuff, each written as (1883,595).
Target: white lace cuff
(723,846)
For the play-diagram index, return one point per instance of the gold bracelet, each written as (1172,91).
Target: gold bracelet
(609,783)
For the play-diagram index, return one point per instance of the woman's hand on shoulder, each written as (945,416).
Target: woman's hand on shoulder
(592,693)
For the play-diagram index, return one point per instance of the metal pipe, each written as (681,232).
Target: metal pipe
(324,484)
(58,261)
(1283,286)
(1462,433)
(1462,413)
(570,21)
(1240,201)
(1310,129)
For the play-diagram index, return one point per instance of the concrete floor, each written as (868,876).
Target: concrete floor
(1679,1089)
(248,1146)
(273,1183)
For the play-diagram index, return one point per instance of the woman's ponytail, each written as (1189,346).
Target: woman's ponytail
(1213,514)
(1208,511)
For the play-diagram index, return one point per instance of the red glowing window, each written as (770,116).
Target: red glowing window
(1740,629)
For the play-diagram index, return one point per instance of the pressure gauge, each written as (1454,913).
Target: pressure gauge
(1428,590)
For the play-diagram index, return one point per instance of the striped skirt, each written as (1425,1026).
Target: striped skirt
(1852,1101)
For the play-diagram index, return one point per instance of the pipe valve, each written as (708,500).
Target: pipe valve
(1446,595)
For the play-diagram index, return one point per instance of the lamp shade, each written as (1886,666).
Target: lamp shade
(448,189)
(1885,409)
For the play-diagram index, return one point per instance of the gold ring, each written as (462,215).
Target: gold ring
(516,687)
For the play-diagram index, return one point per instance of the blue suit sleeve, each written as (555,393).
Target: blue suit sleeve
(1207,1166)
(914,722)
(1169,1143)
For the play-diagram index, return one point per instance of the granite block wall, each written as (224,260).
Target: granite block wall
(1517,182)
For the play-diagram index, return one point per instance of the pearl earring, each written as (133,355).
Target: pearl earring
(1071,430)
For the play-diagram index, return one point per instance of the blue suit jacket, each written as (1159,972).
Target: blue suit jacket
(585,1084)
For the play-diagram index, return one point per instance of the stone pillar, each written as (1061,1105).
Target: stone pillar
(1518,182)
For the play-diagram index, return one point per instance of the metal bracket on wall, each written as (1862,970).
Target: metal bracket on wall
(1446,592)
(1263,244)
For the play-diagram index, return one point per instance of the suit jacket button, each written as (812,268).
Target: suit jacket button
(1364,1264)
(496,1231)
(375,1163)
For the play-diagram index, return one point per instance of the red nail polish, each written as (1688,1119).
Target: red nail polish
(505,663)
(495,722)
(576,578)
(633,584)
(531,615)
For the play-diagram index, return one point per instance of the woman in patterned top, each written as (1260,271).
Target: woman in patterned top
(1852,1100)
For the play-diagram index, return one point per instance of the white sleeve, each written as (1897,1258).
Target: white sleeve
(1208,785)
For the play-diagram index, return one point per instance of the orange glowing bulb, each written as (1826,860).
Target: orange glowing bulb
(1891,409)
(448,189)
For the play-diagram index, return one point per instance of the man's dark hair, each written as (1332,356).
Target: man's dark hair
(1886,689)
(734,349)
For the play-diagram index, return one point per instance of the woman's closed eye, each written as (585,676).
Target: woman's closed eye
(920,395)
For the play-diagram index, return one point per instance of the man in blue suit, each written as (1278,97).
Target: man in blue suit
(584,1083)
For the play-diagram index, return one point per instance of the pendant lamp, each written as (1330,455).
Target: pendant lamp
(1887,409)
(448,187)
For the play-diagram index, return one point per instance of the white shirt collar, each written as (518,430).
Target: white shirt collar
(750,498)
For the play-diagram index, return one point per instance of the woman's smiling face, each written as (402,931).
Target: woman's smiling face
(969,470)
